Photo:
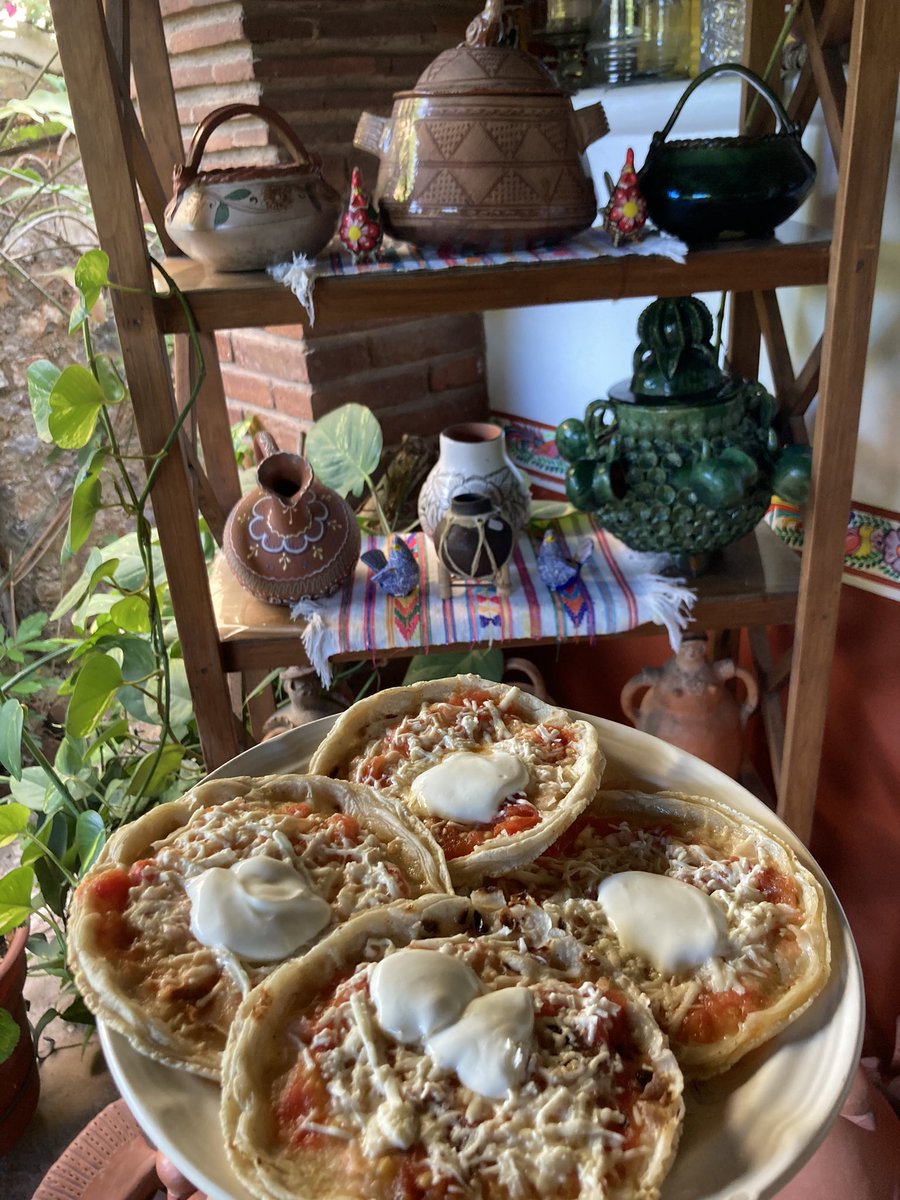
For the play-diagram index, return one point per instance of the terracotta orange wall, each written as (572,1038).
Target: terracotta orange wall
(856,835)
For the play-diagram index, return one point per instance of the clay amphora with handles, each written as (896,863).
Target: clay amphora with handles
(688,703)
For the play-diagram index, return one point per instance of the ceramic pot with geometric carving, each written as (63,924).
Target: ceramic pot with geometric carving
(290,538)
(473,460)
(486,152)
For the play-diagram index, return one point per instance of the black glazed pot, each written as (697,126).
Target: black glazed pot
(705,188)
(473,540)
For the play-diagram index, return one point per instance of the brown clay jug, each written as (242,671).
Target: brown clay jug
(688,703)
(290,538)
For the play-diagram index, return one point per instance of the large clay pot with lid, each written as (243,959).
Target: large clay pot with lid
(290,538)
(486,152)
(249,218)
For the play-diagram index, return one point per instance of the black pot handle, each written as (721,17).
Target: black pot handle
(787,125)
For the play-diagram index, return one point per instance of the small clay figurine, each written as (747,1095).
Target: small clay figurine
(360,229)
(398,573)
(626,212)
(307,701)
(555,567)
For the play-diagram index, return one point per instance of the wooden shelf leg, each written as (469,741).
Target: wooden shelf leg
(870,113)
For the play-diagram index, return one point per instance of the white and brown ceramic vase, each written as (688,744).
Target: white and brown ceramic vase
(290,538)
(473,460)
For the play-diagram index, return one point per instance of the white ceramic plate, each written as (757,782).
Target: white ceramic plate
(746,1132)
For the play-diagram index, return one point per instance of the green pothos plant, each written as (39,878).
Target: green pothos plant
(128,739)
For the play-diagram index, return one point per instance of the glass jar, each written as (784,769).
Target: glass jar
(722,24)
(637,39)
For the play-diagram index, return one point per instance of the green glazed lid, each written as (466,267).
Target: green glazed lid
(675,361)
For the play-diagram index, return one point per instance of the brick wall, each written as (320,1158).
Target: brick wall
(320,63)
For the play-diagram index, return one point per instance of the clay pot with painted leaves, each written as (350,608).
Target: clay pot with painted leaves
(251,217)
(485,152)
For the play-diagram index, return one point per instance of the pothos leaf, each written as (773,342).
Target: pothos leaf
(344,448)
(92,276)
(15,898)
(41,377)
(9,1034)
(75,404)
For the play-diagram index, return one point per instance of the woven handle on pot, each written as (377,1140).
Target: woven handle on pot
(186,174)
(787,125)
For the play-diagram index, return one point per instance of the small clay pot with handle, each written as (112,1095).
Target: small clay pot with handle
(688,703)
(291,537)
(251,217)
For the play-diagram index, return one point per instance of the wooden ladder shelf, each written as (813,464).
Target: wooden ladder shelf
(128,160)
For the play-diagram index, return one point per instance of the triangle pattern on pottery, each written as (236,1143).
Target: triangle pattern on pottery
(507,136)
(553,134)
(569,189)
(440,187)
(440,139)
(515,187)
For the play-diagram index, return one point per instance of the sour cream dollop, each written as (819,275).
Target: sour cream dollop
(670,923)
(261,909)
(469,787)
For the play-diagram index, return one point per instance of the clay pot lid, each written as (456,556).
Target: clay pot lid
(484,65)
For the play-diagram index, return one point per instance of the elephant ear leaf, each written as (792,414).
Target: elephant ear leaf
(344,448)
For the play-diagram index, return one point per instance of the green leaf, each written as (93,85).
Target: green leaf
(82,584)
(31,627)
(9,1034)
(131,614)
(221,214)
(87,500)
(98,680)
(16,887)
(113,732)
(54,887)
(75,404)
(41,377)
(13,821)
(31,789)
(487,663)
(344,448)
(238,194)
(110,380)
(90,837)
(12,716)
(92,276)
(151,775)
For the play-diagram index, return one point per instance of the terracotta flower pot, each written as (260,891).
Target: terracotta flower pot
(19,1079)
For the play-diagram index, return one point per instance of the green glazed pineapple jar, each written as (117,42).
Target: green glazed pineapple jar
(682,457)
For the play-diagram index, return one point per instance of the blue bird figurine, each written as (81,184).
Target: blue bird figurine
(397,574)
(555,567)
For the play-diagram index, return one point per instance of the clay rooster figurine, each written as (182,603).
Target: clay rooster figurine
(555,567)
(360,229)
(398,573)
(625,214)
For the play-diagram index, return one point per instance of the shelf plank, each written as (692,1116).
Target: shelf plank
(797,256)
(752,582)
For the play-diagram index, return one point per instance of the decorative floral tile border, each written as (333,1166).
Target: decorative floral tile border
(871,548)
(532,446)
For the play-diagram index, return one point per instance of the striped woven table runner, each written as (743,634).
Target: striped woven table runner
(617,590)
